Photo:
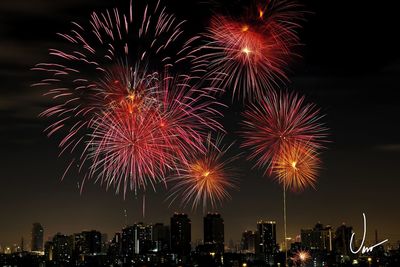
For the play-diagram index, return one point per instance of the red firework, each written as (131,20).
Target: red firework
(112,105)
(281,120)
(102,62)
(129,150)
(139,139)
(206,178)
(249,56)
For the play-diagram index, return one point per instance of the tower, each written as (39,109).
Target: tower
(267,247)
(181,228)
(214,231)
(37,238)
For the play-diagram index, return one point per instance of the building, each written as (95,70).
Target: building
(142,238)
(181,236)
(318,238)
(342,240)
(136,240)
(86,244)
(161,237)
(37,238)
(267,245)
(214,232)
(62,248)
(249,242)
(92,242)
(48,251)
(127,243)
(104,243)
(115,247)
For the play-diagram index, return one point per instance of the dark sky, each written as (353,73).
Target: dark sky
(350,68)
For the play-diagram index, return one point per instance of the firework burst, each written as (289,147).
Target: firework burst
(135,144)
(129,149)
(296,167)
(301,257)
(102,61)
(249,56)
(281,120)
(206,178)
(114,104)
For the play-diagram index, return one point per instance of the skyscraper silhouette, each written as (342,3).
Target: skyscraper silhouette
(214,231)
(181,228)
(37,237)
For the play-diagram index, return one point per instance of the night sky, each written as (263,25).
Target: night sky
(350,67)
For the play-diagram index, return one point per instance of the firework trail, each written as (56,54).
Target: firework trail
(206,178)
(279,121)
(249,56)
(113,103)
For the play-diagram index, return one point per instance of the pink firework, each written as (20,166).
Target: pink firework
(129,150)
(249,56)
(112,105)
(205,179)
(281,120)
(142,138)
(188,113)
(102,62)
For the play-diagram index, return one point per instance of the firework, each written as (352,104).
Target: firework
(301,257)
(129,149)
(279,121)
(135,144)
(296,167)
(249,56)
(102,61)
(206,178)
(114,104)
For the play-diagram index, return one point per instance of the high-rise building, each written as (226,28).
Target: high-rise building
(37,237)
(249,242)
(143,238)
(79,246)
(318,238)
(104,243)
(86,243)
(181,236)
(62,248)
(127,243)
(136,239)
(214,232)
(161,237)
(92,242)
(48,250)
(342,240)
(114,248)
(267,244)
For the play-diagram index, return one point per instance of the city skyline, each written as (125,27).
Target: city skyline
(349,68)
(372,234)
(171,245)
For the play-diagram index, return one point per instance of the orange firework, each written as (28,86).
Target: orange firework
(206,178)
(301,257)
(296,167)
